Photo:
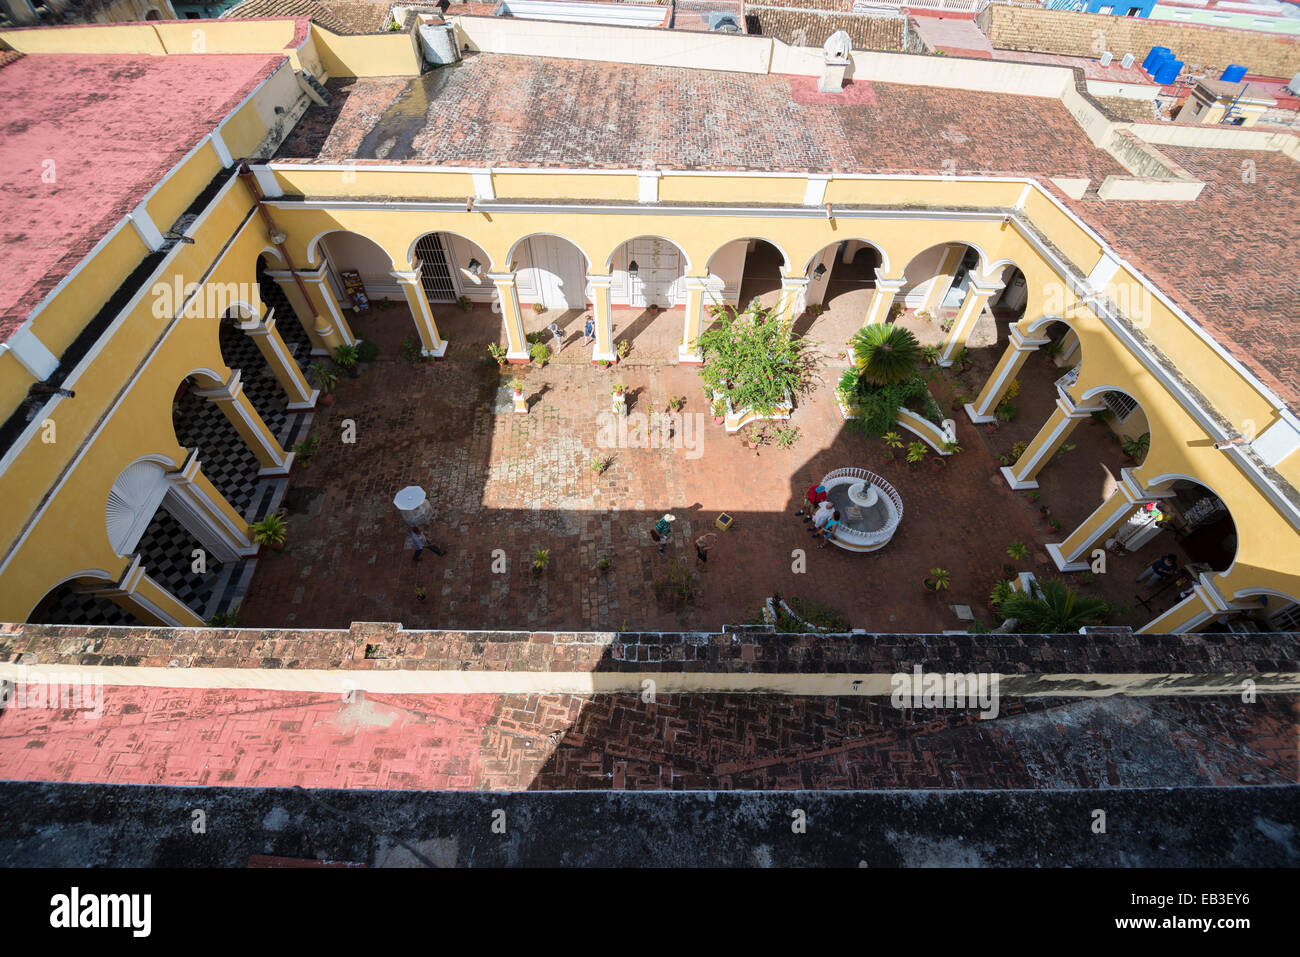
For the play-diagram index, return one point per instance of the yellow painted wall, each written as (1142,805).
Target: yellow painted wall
(388,54)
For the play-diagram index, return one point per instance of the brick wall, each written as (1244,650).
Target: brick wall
(1200,48)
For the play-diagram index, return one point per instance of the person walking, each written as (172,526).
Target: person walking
(702,546)
(588,331)
(421,543)
(662,530)
(1159,570)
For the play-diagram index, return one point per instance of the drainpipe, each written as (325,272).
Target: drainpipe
(276,236)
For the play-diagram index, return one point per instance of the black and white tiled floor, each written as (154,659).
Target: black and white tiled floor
(70,606)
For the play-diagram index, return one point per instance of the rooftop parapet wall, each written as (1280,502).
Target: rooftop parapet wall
(1101,662)
(1202,47)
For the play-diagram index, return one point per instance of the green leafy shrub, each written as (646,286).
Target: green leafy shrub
(752,359)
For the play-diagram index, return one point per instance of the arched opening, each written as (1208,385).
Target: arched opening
(240,351)
(648,294)
(935,282)
(1198,521)
(551,282)
(744,270)
(358,270)
(1262,610)
(841,284)
(80,601)
(454,275)
(226,458)
(287,320)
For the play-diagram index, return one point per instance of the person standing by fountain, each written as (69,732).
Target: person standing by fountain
(821,517)
(828,533)
(816,496)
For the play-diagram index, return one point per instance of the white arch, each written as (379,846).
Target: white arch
(510,256)
(271,251)
(785,257)
(979,269)
(1174,476)
(609,260)
(314,247)
(880,251)
(98,574)
(487,259)
(1045,319)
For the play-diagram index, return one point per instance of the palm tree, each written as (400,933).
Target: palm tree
(1054,609)
(885,353)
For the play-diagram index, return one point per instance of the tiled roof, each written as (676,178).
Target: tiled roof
(1227,258)
(343,17)
(808,27)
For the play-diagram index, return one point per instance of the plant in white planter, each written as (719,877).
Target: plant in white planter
(753,362)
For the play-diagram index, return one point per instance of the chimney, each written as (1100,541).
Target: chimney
(835,62)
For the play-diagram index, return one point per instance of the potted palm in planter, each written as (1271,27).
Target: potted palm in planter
(270,531)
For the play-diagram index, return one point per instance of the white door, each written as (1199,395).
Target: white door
(559,274)
(658,270)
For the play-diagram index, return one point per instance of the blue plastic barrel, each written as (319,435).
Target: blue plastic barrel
(1154,54)
(1168,71)
(1233,73)
(1164,56)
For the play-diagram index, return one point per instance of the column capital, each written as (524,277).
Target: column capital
(695,282)
(502,278)
(228,391)
(1024,343)
(260,327)
(889,285)
(408,276)
(983,287)
(596,279)
(794,282)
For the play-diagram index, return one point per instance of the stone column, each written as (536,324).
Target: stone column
(235,405)
(1008,367)
(972,307)
(508,297)
(206,514)
(1073,554)
(330,328)
(688,352)
(603,311)
(1203,606)
(431,344)
(948,266)
(286,369)
(147,600)
(1050,437)
(792,293)
(882,300)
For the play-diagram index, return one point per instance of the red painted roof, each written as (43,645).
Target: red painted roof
(84,137)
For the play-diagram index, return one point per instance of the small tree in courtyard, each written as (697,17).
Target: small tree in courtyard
(753,359)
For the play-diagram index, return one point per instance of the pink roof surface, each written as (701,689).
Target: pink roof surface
(84,137)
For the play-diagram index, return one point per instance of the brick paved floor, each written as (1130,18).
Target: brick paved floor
(557,742)
(518,483)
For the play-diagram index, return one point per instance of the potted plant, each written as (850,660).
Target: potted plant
(603,565)
(304,450)
(327,381)
(346,358)
(675,403)
(754,437)
(1018,550)
(421,593)
(498,354)
(622,348)
(1136,448)
(540,353)
(1000,593)
(892,441)
(916,452)
(538,307)
(599,463)
(719,409)
(270,531)
(465,304)
(937,580)
(1035,495)
(541,559)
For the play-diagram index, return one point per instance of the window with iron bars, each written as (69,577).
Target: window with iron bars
(1119,403)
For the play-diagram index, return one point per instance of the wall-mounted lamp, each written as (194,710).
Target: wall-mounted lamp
(819,271)
(475,267)
(1224,446)
(278,236)
(469,205)
(633,269)
(830,213)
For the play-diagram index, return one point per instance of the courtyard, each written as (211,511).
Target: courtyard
(505,485)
